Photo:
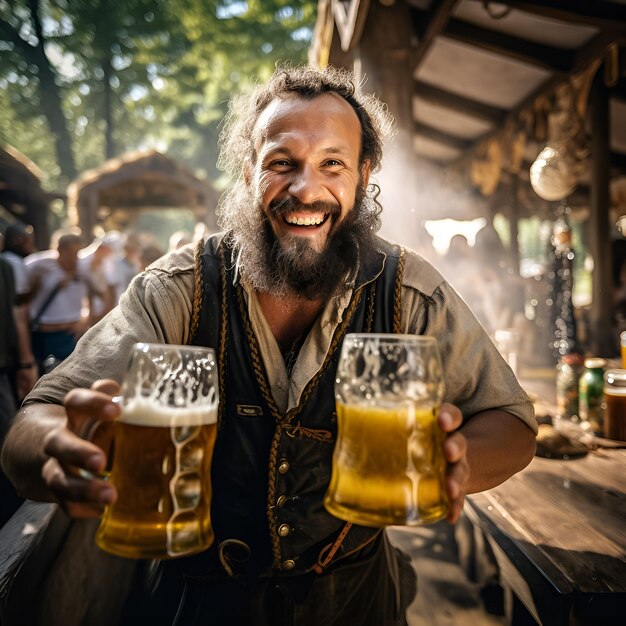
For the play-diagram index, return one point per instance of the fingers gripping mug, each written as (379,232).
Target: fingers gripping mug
(163,446)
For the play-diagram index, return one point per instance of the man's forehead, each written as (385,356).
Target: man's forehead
(297,105)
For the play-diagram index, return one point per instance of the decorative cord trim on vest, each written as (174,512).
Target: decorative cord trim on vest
(340,333)
(318,434)
(259,373)
(282,421)
(332,549)
(371,305)
(221,357)
(397,303)
(197,289)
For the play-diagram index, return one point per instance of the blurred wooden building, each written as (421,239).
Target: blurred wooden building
(114,194)
(479,87)
(22,197)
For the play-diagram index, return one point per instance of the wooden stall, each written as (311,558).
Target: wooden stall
(22,195)
(114,194)
(479,87)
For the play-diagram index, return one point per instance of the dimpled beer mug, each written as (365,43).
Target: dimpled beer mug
(388,464)
(162,453)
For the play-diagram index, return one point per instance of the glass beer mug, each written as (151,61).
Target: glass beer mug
(162,452)
(388,464)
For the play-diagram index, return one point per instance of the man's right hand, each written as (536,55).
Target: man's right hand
(78,451)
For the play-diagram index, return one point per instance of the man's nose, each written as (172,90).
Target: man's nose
(305,185)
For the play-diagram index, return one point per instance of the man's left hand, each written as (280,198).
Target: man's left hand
(455,453)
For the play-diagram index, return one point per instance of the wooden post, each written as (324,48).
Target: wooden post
(384,59)
(602,333)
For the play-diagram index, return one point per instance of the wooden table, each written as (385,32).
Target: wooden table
(558,531)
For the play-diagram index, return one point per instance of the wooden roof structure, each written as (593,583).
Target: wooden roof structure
(115,193)
(21,193)
(478,87)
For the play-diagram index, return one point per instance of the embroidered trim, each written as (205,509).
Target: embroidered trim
(198,288)
(282,421)
(223,341)
(332,549)
(371,305)
(397,303)
(337,338)
(318,434)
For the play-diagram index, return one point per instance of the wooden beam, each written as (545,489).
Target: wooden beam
(427,25)
(601,313)
(586,54)
(529,52)
(599,13)
(594,48)
(493,115)
(441,137)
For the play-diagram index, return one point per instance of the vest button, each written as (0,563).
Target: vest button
(281,501)
(283,468)
(284,530)
(289,564)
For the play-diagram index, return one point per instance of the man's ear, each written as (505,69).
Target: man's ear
(366,170)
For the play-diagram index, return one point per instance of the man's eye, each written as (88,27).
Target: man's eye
(280,163)
(332,163)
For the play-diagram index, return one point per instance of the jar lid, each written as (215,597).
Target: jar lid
(615,377)
(572,359)
(594,363)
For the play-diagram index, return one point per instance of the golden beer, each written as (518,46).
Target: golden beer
(388,465)
(615,399)
(162,472)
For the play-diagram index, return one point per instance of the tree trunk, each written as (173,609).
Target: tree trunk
(50,99)
(109,142)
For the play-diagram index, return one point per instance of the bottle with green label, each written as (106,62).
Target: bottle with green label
(591,394)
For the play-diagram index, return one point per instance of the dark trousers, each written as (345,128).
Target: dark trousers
(373,591)
(56,344)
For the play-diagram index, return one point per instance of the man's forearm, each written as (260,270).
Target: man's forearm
(498,446)
(22,452)
(25,352)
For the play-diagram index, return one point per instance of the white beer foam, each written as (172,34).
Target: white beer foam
(144,412)
(615,391)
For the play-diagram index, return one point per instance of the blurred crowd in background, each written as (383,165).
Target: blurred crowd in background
(50,298)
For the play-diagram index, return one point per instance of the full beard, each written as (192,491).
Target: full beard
(292,267)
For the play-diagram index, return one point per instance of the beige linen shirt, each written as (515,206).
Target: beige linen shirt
(156,308)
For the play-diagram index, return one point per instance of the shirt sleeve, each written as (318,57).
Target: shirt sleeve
(476,376)
(156,308)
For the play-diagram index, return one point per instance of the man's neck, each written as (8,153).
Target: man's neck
(288,316)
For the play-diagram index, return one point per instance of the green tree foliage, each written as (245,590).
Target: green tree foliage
(84,80)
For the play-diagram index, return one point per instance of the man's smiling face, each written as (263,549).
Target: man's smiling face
(307,170)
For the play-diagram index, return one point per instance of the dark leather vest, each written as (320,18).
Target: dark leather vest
(270,471)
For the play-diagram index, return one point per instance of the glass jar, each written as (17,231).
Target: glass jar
(568,372)
(615,404)
(591,394)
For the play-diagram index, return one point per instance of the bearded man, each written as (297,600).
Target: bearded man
(297,267)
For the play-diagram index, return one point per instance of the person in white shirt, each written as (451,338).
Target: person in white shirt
(60,288)
(97,262)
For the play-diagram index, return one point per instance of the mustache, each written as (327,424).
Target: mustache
(291,205)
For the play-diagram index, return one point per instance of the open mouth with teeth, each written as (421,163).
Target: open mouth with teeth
(310,220)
